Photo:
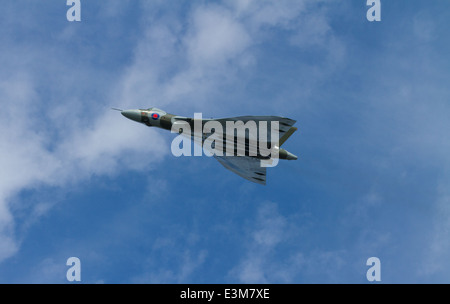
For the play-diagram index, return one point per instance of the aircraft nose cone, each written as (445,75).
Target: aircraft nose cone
(132,114)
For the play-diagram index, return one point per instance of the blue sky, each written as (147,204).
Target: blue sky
(371,100)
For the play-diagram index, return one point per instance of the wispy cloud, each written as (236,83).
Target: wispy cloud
(275,253)
(384,110)
(57,136)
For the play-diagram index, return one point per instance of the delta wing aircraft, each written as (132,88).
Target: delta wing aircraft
(244,150)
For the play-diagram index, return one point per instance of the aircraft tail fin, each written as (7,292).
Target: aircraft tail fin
(287,135)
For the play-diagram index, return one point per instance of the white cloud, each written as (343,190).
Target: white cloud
(55,136)
(274,255)
(215,37)
(187,62)
(269,230)
(43,145)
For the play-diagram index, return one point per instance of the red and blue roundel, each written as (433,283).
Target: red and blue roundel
(155,116)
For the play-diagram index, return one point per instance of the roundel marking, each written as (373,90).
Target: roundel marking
(155,116)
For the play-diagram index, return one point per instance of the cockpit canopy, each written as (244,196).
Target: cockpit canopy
(161,112)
